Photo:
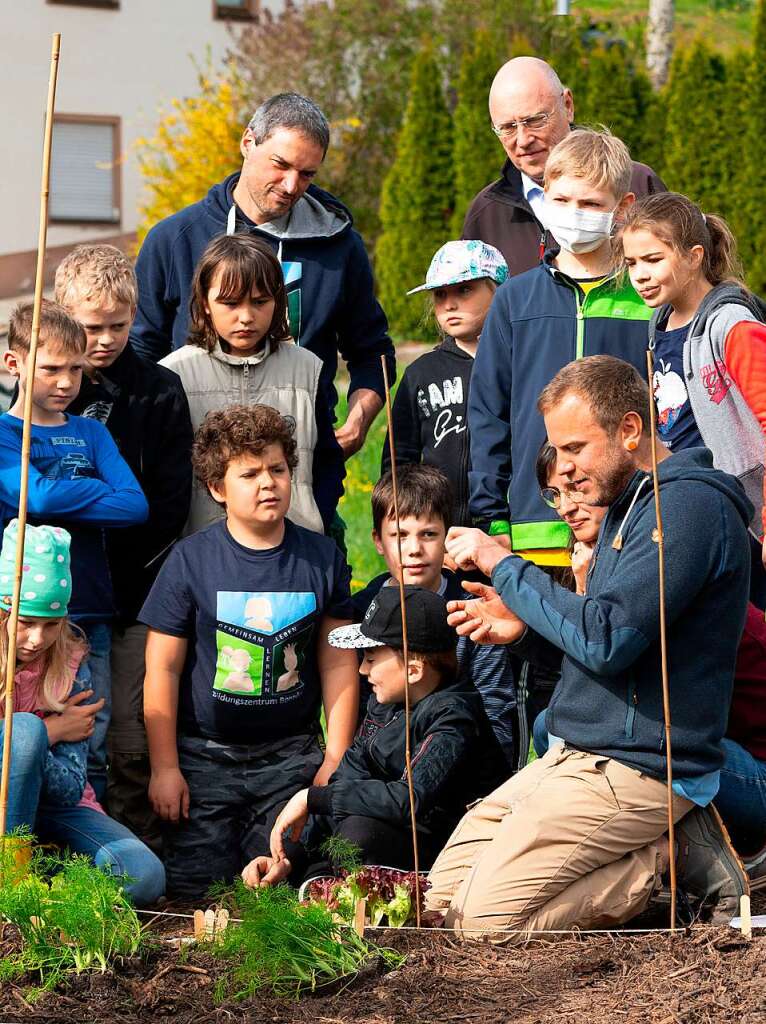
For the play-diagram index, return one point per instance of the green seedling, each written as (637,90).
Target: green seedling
(70,916)
(287,947)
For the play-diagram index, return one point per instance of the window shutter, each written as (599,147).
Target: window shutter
(82,172)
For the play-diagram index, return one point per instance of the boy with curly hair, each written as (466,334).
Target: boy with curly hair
(237,657)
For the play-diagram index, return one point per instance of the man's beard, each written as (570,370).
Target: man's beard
(609,484)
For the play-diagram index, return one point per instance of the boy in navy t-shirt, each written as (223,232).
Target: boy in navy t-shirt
(237,657)
(77,479)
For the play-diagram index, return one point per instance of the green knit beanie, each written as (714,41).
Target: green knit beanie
(46,582)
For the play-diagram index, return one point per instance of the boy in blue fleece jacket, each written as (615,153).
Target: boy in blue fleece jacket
(584,845)
(77,479)
(574,304)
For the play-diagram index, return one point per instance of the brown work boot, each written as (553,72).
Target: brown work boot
(708,868)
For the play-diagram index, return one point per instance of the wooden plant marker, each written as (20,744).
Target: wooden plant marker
(209,924)
(744,914)
(360,916)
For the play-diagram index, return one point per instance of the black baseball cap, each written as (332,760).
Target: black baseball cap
(427,629)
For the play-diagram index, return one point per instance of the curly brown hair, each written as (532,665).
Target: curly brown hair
(240,430)
(247,265)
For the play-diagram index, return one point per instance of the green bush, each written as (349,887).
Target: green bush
(417,196)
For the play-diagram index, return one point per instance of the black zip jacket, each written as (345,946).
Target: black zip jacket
(431,419)
(145,410)
(455,760)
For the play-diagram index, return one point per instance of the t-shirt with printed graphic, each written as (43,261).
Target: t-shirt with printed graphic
(250,617)
(675,420)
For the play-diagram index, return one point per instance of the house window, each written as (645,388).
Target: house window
(113,4)
(85,169)
(241,10)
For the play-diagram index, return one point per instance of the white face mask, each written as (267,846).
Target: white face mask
(576,230)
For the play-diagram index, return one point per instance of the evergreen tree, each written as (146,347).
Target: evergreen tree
(735,109)
(753,139)
(694,132)
(478,155)
(417,197)
(610,98)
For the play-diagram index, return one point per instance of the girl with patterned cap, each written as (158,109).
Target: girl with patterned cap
(52,720)
(430,408)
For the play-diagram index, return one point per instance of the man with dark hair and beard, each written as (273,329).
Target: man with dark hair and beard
(578,837)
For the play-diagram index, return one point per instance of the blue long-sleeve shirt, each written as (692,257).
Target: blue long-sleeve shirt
(79,480)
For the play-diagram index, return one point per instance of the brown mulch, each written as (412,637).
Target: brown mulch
(706,975)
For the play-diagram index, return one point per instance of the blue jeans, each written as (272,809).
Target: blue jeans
(82,829)
(540,735)
(741,799)
(99,636)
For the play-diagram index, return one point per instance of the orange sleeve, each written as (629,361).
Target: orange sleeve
(745,357)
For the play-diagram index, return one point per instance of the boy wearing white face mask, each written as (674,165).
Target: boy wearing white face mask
(573,304)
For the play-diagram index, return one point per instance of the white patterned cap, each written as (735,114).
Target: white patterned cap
(468,260)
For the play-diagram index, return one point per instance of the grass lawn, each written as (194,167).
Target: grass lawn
(729,27)
(362,472)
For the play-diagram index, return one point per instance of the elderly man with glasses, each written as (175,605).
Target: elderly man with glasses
(531,112)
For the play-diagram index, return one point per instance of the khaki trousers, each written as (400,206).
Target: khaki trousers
(567,842)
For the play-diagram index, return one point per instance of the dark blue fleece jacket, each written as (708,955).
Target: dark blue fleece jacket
(537,323)
(332,305)
(609,698)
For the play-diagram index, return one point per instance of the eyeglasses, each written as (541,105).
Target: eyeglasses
(553,497)
(533,123)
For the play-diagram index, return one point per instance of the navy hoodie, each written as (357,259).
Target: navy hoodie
(609,699)
(537,323)
(331,301)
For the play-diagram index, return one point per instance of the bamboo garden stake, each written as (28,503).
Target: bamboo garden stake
(663,643)
(407,752)
(27,429)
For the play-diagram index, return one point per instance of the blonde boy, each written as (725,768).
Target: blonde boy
(573,305)
(77,479)
(145,409)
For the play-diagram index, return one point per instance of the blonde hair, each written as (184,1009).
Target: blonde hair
(599,157)
(56,679)
(96,273)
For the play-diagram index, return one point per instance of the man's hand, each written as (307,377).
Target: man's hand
(264,871)
(326,768)
(291,819)
(473,549)
(76,722)
(581,556)
(169,794)
(363,406)
(485,620)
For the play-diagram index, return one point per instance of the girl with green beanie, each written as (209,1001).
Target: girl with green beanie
(52,719)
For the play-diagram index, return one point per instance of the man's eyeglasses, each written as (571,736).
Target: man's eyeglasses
(533,123)
(553,497)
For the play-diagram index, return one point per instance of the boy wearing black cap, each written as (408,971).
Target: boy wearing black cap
(455,756)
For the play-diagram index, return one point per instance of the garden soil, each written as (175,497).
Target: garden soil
(704,975)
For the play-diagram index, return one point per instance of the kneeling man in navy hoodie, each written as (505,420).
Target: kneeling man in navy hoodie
(578,837)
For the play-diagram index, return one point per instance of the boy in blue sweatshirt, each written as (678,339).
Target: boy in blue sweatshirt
(574,304)
(578,837)
(77,479)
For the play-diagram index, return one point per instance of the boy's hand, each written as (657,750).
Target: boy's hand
(291,819)
(265,871)
(169,794)
(486,620)
(76,722)
(326,768)
(473,549)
